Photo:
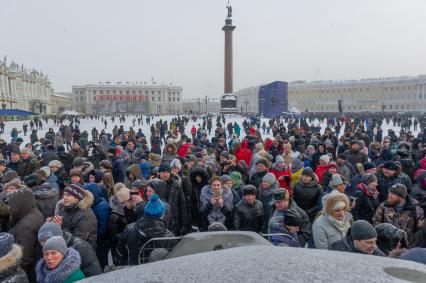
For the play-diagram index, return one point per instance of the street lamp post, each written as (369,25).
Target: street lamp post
(205,100)
(199,106)
(246,103)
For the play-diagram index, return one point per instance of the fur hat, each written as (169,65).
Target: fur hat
(335,201)
(55,163)
(263,161)
(33,180)
(6,243)
(280,194)
(176,164)
(9,175)
(78,161)
(249,190)
(27,151)
(76,172)
(154,159)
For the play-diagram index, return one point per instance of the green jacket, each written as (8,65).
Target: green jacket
(75,276)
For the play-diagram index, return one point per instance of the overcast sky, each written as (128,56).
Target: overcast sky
(180,41)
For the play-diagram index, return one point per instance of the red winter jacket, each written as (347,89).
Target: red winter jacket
(320,171)
(283,183)
(183,149)
(243,153)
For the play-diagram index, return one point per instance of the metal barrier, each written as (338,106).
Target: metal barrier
(155,243)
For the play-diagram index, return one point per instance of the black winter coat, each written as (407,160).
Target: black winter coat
(308,197)
(26,220)
(248,217)
(176,199)
(365,204)
(46,199)
(305,232)
(89,262)
(136,234)
(10,272)
(385,183)
(66,160)
(80,220)
(256,178)
(347,245)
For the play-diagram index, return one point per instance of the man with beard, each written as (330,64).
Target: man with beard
(354,155)
(401,211)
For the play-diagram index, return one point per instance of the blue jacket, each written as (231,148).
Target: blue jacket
(118,169)
(100,208)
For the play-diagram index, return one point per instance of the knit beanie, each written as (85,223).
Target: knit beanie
(176,164)
(55,243)
(236,176)
(225,154)
(76,172)
(336,180)
(249,190)
(122,194)
(399,190)
(216,227)
(48,230)
(225,178)
(155,207)
(325,158)
(308,172)
(363,230)
(75,190)
(55,163)
(292,218)
(368,178)
(6,243)
(279,159)
(269,178)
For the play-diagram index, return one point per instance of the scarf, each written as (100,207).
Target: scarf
(339,224)
(373,192)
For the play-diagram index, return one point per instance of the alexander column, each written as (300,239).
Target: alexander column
(228,101)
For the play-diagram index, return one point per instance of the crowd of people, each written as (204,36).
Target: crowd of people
(72,201)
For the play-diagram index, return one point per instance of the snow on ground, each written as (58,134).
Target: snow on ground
(88,124)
